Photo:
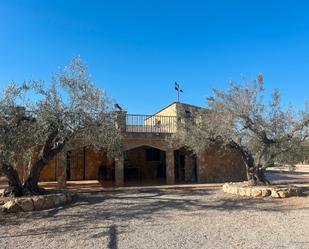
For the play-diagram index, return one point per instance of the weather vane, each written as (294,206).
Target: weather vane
(178,89)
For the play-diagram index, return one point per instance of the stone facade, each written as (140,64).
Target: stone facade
(178,164)
(84,165)
(216,165)
(212,166)
(49,173)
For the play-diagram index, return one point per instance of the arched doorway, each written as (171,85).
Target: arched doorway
(144,165)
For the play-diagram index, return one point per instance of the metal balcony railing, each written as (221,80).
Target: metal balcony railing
(150,123)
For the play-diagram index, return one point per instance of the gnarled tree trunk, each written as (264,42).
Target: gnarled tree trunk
(47,153)
(255,172)
(15,187)
(256,175)
(31,186)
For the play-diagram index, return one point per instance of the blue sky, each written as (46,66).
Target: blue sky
(137,49)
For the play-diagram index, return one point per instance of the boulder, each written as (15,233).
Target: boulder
(274,193)
(256,192)
(48,202)
(11,206)
(38,202)
(248,191)
(233,190)
(60,199)
(242,191)
(283,193)
(225,187)
(266,192)
(26,204)
(63,198)
(278,191)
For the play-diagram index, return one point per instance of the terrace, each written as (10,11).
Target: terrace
(136,123)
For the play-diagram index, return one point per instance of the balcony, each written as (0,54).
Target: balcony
(136,123)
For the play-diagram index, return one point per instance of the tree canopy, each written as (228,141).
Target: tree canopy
(69,112)
(265,133)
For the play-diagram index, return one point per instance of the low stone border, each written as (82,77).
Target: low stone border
(37,202)
(243,189)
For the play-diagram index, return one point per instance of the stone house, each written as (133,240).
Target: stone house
(147,156)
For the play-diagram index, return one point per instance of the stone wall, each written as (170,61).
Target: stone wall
(93,161)
(49,171)
(221,166)
(84,163)
(275,191)
(213,166)
(38,202)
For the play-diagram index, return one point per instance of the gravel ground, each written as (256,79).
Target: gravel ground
(162,218)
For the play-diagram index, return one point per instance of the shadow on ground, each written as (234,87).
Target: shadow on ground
(144,204)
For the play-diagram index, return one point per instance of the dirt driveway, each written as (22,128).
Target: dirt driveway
(200,217)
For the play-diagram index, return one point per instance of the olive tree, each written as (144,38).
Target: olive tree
(16,134)
(70,112)
(264,133)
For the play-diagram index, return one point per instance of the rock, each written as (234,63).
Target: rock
(54,199)
(232,190)
(229,189)
(235,190)
(57,202)
(225,187)
(63,198)
(274,194)
(48,202)
(282,193)
(26,204)
(248,191)
(38,202)
(256,192)
(11,206)
(242,191)
(266,192)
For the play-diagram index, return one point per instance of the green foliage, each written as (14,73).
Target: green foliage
(68,113)
(240,115)
(76,111)
(17,126)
